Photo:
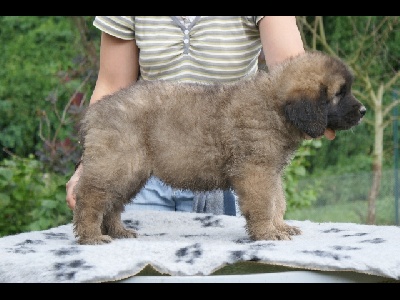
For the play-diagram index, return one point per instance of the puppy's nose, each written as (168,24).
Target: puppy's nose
(363,110)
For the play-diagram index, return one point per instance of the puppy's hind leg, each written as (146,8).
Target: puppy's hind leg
(122,191)
(101,196)
(88,214)
(113,226)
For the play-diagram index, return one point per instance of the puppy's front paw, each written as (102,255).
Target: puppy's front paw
(291,230)
(97,240)
(274,235)
(123,233)
(269,233)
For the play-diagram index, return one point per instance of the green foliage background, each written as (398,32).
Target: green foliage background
(42,66)
(30,198)
(37,54)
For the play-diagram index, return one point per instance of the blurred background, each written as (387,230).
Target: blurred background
(48,68)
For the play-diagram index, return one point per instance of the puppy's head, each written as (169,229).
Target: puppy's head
(318,94)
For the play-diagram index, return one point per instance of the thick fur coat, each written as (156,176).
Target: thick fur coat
(204,137)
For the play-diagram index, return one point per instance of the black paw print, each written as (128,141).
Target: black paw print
(67,270)
(189,254)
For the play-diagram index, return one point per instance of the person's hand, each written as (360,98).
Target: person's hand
(330,134)
(70,198)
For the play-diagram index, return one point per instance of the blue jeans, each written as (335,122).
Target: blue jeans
(156,195)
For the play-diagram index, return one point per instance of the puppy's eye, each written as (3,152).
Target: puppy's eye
(342,91)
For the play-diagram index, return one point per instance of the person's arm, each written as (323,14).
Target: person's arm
(281,39)
(119,67)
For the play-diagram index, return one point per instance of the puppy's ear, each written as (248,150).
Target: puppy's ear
(309,115)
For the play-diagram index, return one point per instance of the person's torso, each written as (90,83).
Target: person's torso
(205,50)
(193,48)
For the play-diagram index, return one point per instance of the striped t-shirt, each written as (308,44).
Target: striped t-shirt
(210,48)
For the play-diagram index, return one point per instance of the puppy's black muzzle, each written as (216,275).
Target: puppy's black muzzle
(345,116)
(362,111)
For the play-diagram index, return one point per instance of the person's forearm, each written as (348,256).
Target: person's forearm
(102,89)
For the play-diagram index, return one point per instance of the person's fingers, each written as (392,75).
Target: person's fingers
(70,197)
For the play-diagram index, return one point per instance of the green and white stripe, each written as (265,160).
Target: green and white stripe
(221,48)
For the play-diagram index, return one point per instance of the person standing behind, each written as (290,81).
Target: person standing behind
(201,49)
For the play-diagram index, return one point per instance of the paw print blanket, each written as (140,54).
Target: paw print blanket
(187,244)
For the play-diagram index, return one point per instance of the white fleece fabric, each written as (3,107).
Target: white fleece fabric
(188,244)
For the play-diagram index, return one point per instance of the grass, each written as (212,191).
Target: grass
(347,212)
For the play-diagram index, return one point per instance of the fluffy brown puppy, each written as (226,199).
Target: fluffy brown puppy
(204,137)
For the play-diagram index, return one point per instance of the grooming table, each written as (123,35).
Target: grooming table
(195,247)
